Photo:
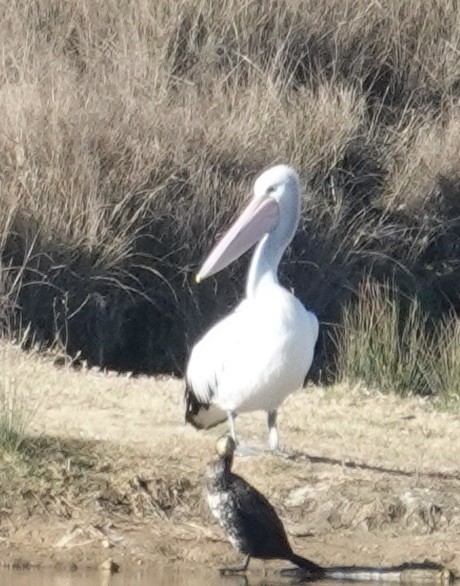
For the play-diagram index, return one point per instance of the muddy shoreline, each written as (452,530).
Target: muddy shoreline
(109,471)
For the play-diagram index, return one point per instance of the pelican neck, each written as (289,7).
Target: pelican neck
(263,269)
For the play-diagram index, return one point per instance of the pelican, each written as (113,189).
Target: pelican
(256,356)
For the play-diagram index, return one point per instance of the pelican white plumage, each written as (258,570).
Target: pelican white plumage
(256,356)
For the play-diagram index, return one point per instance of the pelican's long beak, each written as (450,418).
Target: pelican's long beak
(258,218)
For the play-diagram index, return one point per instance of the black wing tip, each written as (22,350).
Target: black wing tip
(193,407)
(192,416)
(196,412)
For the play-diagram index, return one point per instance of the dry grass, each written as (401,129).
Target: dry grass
(130,133)
(446,370)
(17,409)
(392,346)
(108,468)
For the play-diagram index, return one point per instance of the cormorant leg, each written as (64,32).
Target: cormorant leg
(237,569)
(264,568)
(273,441)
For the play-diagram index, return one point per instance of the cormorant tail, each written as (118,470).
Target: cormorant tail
(307,565)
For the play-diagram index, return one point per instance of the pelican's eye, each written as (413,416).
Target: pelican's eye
(271,189)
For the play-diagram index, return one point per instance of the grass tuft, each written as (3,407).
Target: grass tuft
(389,343)
(12,421)
(13,415)
(17,406)
(446,371)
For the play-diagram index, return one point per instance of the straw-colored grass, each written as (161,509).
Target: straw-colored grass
(446,371)
(17,409)
(390,345)
(107,468)
(130,133)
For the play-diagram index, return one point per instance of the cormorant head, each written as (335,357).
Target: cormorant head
(225,448)
(219,469)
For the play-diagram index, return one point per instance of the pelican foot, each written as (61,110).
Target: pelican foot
(231,571)
(246,451)
(281,454)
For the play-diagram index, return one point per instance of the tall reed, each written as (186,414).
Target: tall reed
(389,343)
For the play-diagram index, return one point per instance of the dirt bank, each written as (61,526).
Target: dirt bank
(111,471)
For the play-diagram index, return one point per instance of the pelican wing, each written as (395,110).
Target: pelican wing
(205,368)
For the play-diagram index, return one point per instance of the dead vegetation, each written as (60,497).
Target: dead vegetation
(390,344)
(107,468)
(61,477)
(130,133)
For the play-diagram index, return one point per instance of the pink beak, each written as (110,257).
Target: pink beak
(257,219)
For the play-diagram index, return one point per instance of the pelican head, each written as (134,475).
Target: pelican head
(274,207)
(280,183)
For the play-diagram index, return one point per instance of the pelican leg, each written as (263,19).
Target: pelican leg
(243,451)
(237,569)
(231,425)
(273,440)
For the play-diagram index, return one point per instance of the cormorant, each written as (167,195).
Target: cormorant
(249,520)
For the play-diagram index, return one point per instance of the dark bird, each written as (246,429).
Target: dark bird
(249,520)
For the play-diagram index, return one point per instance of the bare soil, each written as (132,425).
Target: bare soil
(111,471)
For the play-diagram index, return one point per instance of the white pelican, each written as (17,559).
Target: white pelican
(256,356)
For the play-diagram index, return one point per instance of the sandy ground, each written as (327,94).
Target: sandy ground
(374,480)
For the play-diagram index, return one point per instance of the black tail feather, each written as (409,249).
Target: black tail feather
(312,568)
(201,415)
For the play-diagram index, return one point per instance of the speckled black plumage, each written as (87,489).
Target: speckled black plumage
(249,520)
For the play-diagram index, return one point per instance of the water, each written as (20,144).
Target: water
(161,577)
